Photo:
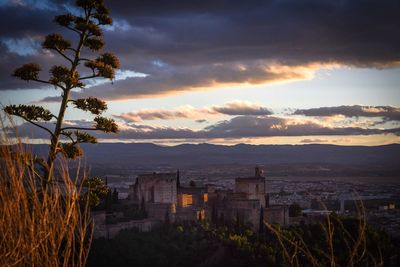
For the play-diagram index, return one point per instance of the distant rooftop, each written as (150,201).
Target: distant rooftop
(256,178)
(155,175)
(192,189)
(250,179)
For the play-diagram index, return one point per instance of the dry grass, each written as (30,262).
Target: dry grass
(40,226)
(296,250)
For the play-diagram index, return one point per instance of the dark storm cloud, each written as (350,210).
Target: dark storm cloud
(237,127)
(352,31)
(22,21)
(10,60)
(186,45)
(168,80)
(386,112)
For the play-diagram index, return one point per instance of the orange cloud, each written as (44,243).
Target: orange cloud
(175,80)
(232,108)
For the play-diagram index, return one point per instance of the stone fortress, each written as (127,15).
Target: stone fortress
(163,198)
(247,203)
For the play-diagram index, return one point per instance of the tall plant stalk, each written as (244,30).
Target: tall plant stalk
(87,25)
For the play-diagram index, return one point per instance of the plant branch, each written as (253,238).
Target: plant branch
(89,77)
(72,49)
(80,128)
(65,56)
(70,137)
(47,82)
(34,123)
(72,29)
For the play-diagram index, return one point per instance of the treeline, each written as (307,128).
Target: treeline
(202,244)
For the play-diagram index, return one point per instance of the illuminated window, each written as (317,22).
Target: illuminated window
(205,197)
(185,200)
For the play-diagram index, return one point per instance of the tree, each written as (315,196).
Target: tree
(294,210)
(167,220)
(214,214)
(109,206)
(261,226)
(178,182)
(143,208)
(238,224)
(115,196)
(95,191)
(87,25)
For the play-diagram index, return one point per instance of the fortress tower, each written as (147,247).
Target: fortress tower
(156,188)
(252,187)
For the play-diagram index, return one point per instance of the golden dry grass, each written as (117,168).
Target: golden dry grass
(40,226)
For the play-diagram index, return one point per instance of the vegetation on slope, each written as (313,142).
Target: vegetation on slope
(201,244)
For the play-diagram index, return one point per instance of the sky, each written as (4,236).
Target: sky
(224,72)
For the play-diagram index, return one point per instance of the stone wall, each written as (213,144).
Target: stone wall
(110,230)
(159,211)
(254,187)
(156,188)
(277,215)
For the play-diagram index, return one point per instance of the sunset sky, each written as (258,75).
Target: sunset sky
(226,72)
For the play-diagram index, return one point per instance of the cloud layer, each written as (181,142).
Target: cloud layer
(386,112)
(234,128)
(209,44)
(172,47)
(233,108)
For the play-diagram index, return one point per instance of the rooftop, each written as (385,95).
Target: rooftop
(254,179)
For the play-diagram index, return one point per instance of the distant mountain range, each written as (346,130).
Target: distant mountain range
(317,160)
(146,154)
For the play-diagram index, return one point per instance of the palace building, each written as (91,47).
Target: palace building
(162,198)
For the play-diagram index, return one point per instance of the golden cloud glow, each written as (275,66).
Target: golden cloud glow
(275,73)
(216,76)
(351,140)
(236,107)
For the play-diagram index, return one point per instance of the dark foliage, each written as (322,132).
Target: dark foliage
(197,244)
